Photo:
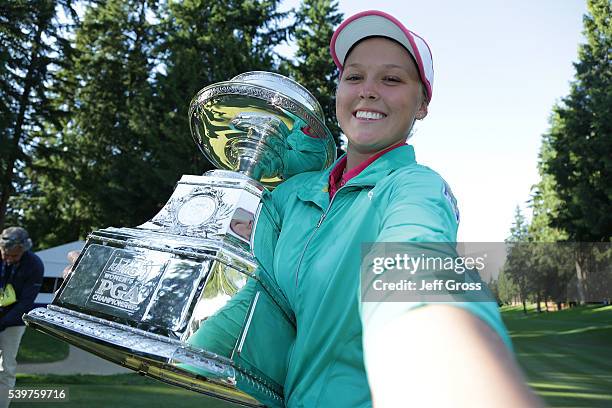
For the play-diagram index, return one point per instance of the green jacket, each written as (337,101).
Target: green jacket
(316,264)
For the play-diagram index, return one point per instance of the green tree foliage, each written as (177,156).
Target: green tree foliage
(518,262)
(204,42)
(580,139)
(314,67)
(545,202)
(519,232)
(94,109)
(536,270)
(552,266)
(573,200)
(32,49)
(115,157)
(507,291)
(96,167)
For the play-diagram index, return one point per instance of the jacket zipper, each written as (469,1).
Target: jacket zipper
(297,272)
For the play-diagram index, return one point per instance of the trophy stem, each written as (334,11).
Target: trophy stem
(248,167)
(257,153)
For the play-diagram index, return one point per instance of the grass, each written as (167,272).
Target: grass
(566,355)
(37,347)
(123,390)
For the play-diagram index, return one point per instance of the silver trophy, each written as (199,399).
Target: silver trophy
(187,297)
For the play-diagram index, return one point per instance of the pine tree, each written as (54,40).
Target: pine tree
(315,70)
(581,136)
(573,200)
(545,202)
(136,65)
(94,168)
(519,232)
(551,258)
(204,42)
(518,264)
(32,49)
(506,289)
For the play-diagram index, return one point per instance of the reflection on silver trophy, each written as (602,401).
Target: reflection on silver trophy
(187,297)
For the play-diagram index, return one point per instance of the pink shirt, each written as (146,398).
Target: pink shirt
(337,179)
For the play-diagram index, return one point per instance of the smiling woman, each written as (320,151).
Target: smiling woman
(379,97)
(348,352)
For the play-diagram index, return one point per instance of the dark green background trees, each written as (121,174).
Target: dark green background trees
(33,47)
(92,167)
(94,97)
(313,68)
(572,203)
(577,151)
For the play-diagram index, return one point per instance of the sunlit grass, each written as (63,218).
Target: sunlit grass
(566,355)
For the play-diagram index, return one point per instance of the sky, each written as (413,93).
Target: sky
(500,67)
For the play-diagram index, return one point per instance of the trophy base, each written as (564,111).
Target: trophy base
(154,356)
(178,298)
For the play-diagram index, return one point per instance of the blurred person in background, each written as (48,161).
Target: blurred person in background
(21,276)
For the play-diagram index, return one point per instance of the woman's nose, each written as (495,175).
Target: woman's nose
(368,92)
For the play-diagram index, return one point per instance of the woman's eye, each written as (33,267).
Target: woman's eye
(391,79)
(352,77)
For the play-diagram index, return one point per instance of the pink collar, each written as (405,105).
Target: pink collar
(337,179)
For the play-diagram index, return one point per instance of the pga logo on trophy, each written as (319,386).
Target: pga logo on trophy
(187,297)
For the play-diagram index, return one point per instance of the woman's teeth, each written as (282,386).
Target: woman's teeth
(369,115)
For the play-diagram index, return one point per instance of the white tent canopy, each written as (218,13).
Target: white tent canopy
(55,259)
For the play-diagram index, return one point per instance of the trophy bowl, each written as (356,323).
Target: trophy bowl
(188,297)
(266,155)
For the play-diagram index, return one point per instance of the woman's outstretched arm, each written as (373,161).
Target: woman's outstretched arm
(442,356)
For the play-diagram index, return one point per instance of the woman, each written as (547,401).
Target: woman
(378,193)
(348,353)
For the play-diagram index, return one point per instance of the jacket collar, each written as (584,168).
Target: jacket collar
(318,191)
